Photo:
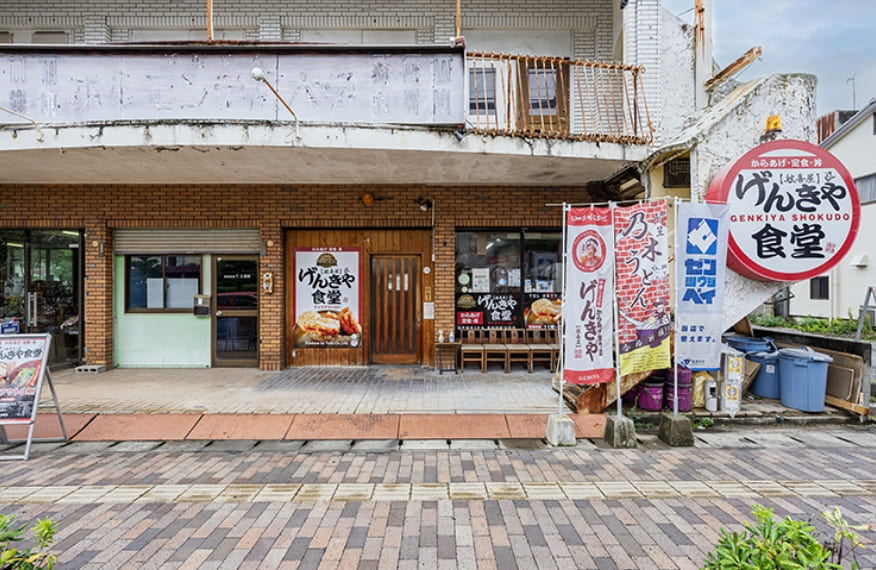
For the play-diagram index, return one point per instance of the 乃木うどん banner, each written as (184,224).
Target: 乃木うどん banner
(700,258)
(642,278)
(587,310)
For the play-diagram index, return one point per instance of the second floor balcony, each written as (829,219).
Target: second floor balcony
(270,113)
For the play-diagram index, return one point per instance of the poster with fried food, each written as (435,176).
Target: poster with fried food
(327,298)
(22,368)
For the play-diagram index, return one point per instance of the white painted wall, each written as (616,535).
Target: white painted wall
(848,282)
(857,148)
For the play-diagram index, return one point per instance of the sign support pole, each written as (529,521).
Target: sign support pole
(561,358)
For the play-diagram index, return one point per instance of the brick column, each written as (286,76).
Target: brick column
(98,310)
(445,261)
(271,307)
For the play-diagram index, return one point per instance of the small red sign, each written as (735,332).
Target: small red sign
(794,211)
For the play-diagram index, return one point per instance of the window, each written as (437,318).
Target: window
(819,288)
(481,91)
(542,92)
(508,279)
(48,37)
(162,282)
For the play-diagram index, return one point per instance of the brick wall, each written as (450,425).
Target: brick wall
(100,209)
(97,21)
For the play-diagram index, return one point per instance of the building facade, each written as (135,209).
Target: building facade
(283,184)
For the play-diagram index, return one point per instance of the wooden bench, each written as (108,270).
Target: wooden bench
(507,346)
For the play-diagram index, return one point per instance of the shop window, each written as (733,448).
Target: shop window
(819,288)
(162,282)
(508,279)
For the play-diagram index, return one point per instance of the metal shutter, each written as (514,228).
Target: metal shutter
(180,241)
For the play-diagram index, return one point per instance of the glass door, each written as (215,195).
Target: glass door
(42,287)
(236,320)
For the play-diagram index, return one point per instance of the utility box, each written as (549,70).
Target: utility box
(202,306)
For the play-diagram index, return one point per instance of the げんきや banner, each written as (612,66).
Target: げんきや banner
(700,258)
(642,287)
(587,309)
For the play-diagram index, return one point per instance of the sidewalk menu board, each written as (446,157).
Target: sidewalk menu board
(23,361)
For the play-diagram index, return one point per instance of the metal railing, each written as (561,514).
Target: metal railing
(552,97)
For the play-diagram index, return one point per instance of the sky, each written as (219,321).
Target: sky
(832,39)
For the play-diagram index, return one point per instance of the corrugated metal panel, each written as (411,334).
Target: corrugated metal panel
(207,240)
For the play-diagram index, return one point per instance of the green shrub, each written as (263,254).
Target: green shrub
(30,558)
(785,545)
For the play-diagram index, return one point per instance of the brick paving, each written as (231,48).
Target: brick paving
(586,506)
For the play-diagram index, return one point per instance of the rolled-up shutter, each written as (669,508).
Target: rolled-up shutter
(198,240)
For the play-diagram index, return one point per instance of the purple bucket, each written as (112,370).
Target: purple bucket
(650,396)
(685,396)
(685,393)
(631,395)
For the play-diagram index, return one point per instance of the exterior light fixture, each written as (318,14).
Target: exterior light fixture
(773,128)
(259,75)
(424,203)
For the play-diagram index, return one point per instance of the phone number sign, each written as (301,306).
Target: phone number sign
(794,211)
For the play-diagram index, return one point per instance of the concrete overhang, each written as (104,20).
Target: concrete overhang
(270,152)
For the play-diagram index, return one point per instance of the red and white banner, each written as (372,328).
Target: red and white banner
(700,268)
(642,265)
(587,309)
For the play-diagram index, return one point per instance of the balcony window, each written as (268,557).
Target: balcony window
(162,282)
(542,92)
(481,91)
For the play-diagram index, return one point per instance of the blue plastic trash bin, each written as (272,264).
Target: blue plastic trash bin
(751,344)
(803,378)
(766,383)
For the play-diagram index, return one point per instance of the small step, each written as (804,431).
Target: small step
(90,369)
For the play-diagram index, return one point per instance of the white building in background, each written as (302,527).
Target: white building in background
(839,293)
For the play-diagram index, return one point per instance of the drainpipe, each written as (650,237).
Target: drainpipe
(209,20)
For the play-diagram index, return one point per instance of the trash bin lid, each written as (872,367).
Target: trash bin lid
(805,353)
(763,355)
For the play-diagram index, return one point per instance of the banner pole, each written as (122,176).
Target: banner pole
(561,362)
(620,405)
(673,362)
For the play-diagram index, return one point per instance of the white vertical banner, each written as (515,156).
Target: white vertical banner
(700,254)
(589,297)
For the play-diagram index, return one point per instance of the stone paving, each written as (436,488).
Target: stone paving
(480,504)
(351,390)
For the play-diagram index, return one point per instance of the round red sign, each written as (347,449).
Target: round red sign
(794,211)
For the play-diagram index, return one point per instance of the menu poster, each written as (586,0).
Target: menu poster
(327,298)
(488,310)
(23,360)
(543,310)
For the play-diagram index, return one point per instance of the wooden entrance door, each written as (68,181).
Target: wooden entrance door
(395,321)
